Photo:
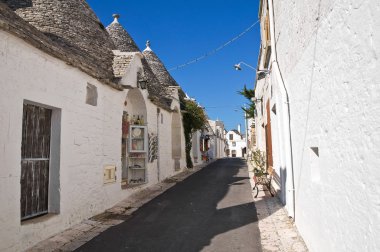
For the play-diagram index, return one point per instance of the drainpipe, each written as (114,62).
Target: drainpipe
(290,194)
(158,144)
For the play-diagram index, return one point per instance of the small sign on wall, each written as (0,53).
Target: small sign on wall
(109,174)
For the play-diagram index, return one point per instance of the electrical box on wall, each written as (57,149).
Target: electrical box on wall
(109,174)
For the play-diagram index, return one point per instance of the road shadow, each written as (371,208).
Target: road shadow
(189,216)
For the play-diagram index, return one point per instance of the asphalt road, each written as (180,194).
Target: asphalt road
(211,210)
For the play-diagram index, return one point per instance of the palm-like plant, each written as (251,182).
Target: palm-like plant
(249,94)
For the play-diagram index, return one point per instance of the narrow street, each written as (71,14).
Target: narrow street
(212,210)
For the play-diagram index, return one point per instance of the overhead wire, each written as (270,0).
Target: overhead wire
(212,52)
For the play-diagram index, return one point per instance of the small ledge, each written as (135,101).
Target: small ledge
(38,219)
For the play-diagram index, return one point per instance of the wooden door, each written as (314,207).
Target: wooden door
(35,158)
(268,137)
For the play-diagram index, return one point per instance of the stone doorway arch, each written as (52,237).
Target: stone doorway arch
(134,109)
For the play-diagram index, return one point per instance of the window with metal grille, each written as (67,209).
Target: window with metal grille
(35,160)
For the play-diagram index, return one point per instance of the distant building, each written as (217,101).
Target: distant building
(218,143)
(236,143)
(251,133)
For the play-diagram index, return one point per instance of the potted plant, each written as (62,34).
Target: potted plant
(259,160)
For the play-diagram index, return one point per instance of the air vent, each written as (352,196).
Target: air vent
(92,95)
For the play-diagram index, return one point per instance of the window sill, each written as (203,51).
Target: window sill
(38,219)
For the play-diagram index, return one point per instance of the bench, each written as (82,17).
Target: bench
(264,179)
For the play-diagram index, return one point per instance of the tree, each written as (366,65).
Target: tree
(193,119)
(249,94)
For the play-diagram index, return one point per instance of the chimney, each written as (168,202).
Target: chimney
(239,128)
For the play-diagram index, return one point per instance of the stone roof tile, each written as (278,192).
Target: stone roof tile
(158,94)
(73,25)
(15,25)
(121,62)
(120,37)
(158,68)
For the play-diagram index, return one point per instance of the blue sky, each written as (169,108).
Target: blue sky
(180,31)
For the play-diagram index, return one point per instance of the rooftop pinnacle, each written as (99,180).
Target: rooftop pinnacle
(148,46)
(116,17)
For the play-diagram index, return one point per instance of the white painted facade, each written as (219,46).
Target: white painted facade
(251,133)
(326,56)
(196,153)
(218,143)
(86,138)
(235,143)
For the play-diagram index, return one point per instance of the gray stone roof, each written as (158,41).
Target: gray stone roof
(15,25)
(120,37)
(73,25)
(157,94)
(70,31)
(121,62)
(158,67)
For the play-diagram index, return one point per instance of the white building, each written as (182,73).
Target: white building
(236,143)
(218,142)
(318,117)
(70,148)
(251,133)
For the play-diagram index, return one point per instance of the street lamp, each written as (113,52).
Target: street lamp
(239,68)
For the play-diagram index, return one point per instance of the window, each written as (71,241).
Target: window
(39,161)
(265,36)
(233,144)
(231,137)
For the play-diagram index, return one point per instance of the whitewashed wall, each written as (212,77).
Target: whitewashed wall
(196,153)
(90,139)
(217,139)
(265,90)
(328,55)
(240,144)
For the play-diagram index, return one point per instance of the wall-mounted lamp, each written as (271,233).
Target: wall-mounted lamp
(239,68)
(142,82)
(255,99)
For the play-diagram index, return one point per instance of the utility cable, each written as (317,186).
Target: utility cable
(206,55)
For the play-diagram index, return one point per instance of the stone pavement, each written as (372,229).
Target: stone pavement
(278,232)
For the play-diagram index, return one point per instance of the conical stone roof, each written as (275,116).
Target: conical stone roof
(73,24)
(120,37)
(157,94)
(158,67)
(125,43)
